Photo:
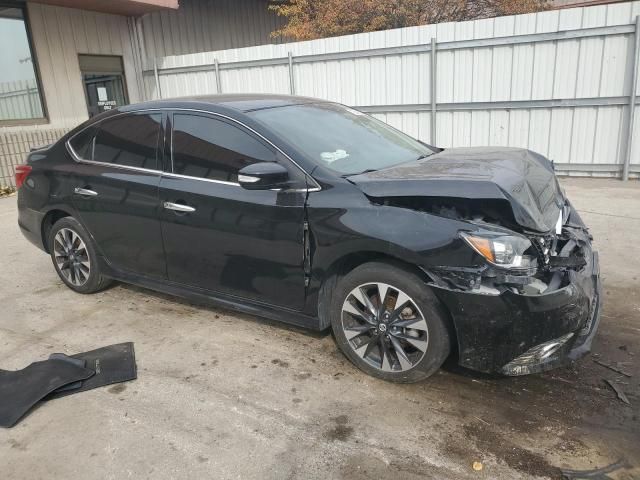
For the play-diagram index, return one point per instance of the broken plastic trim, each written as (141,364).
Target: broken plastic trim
(552,259)
(535,355)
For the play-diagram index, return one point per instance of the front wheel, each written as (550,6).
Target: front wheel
(74,257)
(389,324)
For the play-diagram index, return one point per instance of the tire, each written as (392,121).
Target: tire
(419,329)
(78,266)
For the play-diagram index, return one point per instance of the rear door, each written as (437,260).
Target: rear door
(219,236)
(116,190)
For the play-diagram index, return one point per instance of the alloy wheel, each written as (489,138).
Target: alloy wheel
(72,257)
(385,327)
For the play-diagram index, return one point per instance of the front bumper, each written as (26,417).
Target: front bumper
(496,333)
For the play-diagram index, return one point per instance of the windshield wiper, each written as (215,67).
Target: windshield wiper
(368,170)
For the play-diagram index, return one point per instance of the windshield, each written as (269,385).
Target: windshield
(341,138)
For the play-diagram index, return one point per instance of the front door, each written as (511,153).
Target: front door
(116,190)
(217,235)
(104,83)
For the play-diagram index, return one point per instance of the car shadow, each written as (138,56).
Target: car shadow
(212,308)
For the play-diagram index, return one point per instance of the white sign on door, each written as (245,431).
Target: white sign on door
(102,94)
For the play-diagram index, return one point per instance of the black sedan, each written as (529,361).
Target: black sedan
(316,214)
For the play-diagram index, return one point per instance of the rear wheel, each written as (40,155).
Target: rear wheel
(74,257)
(389,324)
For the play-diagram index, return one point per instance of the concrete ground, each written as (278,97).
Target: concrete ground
(222,395)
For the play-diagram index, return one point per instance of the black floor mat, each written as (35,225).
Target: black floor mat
(21,390)
(75,361)
(112,364)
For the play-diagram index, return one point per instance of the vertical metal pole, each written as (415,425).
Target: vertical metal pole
(218,83)
(433,92)
(30,96)
(140,51)
(157,76)
(292,86)
(632,100)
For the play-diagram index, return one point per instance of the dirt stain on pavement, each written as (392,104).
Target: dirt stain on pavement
(341,431)
(119,388)
(280,363)
(518,458)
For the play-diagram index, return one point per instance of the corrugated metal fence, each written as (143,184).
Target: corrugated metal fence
(19,99)
(557,82)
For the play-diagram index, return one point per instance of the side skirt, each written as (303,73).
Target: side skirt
(230,302)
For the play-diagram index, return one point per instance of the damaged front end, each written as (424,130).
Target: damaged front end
(530,301)
(519,278)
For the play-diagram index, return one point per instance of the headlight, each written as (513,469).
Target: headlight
(500,249)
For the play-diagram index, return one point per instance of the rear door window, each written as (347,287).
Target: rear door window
(206,147)
(129,140)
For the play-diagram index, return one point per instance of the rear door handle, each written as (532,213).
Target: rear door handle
(178,207)
(85,192)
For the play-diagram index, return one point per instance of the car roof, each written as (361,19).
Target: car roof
(241,102)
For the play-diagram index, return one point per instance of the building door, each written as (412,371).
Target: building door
(104,82)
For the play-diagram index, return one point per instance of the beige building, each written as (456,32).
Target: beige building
(62,61)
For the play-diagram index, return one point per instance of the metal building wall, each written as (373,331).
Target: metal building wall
(205,25)
(557,82)
(59,35)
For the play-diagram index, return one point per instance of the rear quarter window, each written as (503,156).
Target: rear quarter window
(82,143)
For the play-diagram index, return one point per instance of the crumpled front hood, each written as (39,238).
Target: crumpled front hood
(523,178)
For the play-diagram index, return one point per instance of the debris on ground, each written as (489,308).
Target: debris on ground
(477,466)
(619,392)
(611,367)
(481,420)
(597,474)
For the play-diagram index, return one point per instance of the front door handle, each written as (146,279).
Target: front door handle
(178,207)
(85,192)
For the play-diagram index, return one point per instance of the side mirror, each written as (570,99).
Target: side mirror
(263,176)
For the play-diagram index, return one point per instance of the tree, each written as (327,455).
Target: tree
(310,19)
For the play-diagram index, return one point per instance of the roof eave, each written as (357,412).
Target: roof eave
(118,7)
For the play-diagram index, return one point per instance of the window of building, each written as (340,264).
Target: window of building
(128,140)
(205,147)
(20,96)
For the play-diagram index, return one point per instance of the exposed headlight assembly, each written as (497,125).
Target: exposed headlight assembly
(500,249)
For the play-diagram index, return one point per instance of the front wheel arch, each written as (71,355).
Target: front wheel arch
(401,277)
(351,261)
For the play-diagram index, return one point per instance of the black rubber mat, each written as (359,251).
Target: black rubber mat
(21,390)
(75,361)
(112,364)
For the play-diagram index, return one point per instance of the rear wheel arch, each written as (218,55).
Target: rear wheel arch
(49,220)
(74,256)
